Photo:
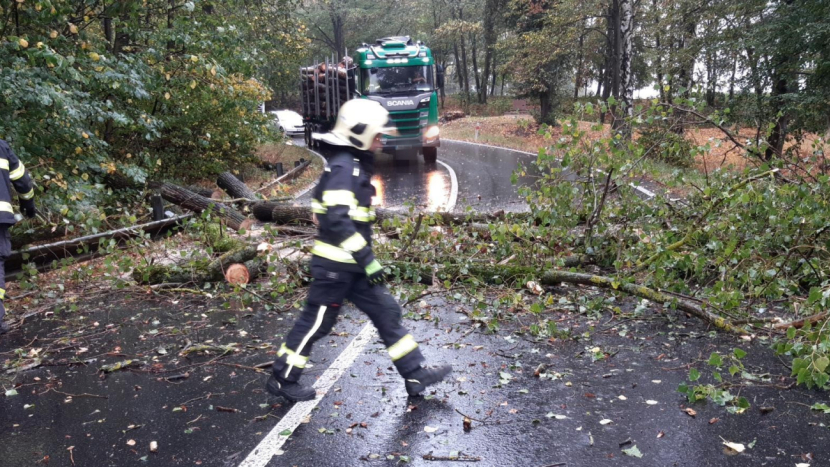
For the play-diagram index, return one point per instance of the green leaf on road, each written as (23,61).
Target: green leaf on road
(633,452)
(694,375)
(821,407)
(287,432)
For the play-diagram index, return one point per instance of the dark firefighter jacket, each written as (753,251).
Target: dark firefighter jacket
(14,174)
(342,202)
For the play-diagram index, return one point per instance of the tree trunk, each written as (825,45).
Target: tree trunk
(196,272)
(491,8)
(609,61)
(779,130)
(659,55)
(626,80)
(476,74)
(206,192)
(464,67)
(495,76)
(579,70)
(21,236)
(545,107)
(189,200)
(48,253)
(492,274)
(280,213)
(711,78)
(171,7)
(732,79)
(235,187)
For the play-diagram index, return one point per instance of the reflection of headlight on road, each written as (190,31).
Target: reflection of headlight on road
(432,132)
(437,194)
(377,200)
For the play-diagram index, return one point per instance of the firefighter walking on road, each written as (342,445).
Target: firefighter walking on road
(343,265)
(13,174)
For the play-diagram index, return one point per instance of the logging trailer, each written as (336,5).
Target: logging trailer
(396,72)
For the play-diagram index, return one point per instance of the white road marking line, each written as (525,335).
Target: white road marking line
(453,188)
(648,193)
(273,441)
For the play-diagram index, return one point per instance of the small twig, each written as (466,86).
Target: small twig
(252,368)
(412,237)
(459,458)
(73,395)
(207,396)
(484,422)
(194,420)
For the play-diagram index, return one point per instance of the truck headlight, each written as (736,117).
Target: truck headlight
(432,132)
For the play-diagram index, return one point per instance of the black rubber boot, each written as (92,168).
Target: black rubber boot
(293,392)
(417,381)
(4,327)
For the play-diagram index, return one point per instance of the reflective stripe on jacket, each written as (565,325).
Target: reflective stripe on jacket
(13,174)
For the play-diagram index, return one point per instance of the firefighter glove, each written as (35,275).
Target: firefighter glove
(27,207)
(375,273)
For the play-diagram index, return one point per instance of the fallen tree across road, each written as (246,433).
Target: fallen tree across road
(197,203)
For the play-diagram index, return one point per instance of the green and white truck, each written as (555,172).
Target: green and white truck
(396,72)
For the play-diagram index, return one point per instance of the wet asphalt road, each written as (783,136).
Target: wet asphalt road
(483,179)
(218,414)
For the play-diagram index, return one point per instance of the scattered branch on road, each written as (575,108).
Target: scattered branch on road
(458,458)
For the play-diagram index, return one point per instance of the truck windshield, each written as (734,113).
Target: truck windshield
(396,79)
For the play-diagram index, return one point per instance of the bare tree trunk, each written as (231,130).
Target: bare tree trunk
(659,55)
(732,78)
(579,70)
(171,6)
(610,64)
(779,130)
(626,80)
(711,78)
(189,200)
(235,187)
(482,99)
(491,11)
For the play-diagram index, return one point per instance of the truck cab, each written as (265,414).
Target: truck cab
(401,76)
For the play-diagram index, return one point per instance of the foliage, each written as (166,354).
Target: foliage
(719,394)
(810,349)
(136,88)
(667,146)
(744,243)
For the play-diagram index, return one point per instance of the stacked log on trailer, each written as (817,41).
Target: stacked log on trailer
(326,86)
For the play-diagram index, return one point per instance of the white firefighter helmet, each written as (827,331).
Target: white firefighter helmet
(359,121)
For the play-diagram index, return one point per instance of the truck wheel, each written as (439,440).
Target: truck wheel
(430,155)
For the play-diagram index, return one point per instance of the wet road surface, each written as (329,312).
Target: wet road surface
(483,179)
(219,413)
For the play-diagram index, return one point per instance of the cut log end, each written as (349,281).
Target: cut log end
(237,274)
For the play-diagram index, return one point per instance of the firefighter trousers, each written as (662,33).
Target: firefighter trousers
(325,297)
